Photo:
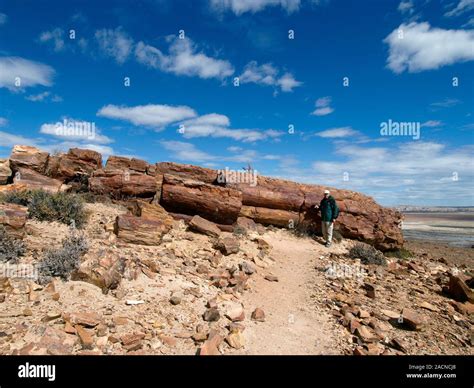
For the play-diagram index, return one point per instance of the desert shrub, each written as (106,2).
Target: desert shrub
(367,254)
(63,261)
(402,253)
(16,197)
(11,249)
(44,206)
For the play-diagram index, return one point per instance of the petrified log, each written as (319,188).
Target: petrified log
(77,162)
(271,193)
(187,171)
(28,157)
(138,230)
(5,171)
(13,218)
(35,181)
(122,183)
(277,217)
(215,203)
(123,163)
(140,208)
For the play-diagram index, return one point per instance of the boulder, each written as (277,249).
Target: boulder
(76,163)
(28,157)
(122,183)
(227,245)
(13,218)
(123,163)
(187,171)
(5,171)
(204,226)
(265,216)
(104,271)
(140,208)
(214,203)
(138,230)
(459,290)
(413,320)
(36,181)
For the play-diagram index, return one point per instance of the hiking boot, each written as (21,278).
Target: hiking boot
(328,244)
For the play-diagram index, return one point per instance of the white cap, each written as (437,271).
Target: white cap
(326,191)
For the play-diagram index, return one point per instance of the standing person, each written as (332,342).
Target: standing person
(329,213)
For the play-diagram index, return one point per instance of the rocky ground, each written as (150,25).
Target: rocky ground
(261,291)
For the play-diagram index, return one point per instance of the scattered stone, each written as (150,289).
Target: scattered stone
(370,290)
(235,313)
(52,315)
(204,226)
(391,314)
(258,315)
(85,319)
(459,290)
(398,344)
(175,300)
(412,320)
(236,340)
(429,306)
(134,302)
(85,337)
(212,315)
(271,278)
(247,268)
(366,334)
(211,346)
(227,245)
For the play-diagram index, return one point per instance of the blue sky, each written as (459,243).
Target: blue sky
(219,83)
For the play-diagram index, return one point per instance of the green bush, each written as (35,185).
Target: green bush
(11,249)
(367,254)
(45,206)
(61,262)
(402,253)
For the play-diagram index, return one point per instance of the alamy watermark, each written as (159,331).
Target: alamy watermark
(400,128)
(73,128)
(19,271)
(249,176)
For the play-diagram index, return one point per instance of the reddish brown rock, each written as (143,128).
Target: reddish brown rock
(138,230)
(103,271)
(85,337)
(413,320)
(5,171)
(459,290)
(123,183)
(76,163)
(13,218)
(140,208)
(213,203)
(28,157)
(204,226)
(84,319)
(246,224)
(211,346)
(187,171)
(123,163)
(258,315)
(227,245)
(33,180)
(276,217)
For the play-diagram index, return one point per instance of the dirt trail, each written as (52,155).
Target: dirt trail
(294,323)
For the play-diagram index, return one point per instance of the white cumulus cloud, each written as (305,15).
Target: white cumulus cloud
(28,73)
(268,75)
(152,115)
(183,58)
(416,47)
(242,6)
(115,43)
